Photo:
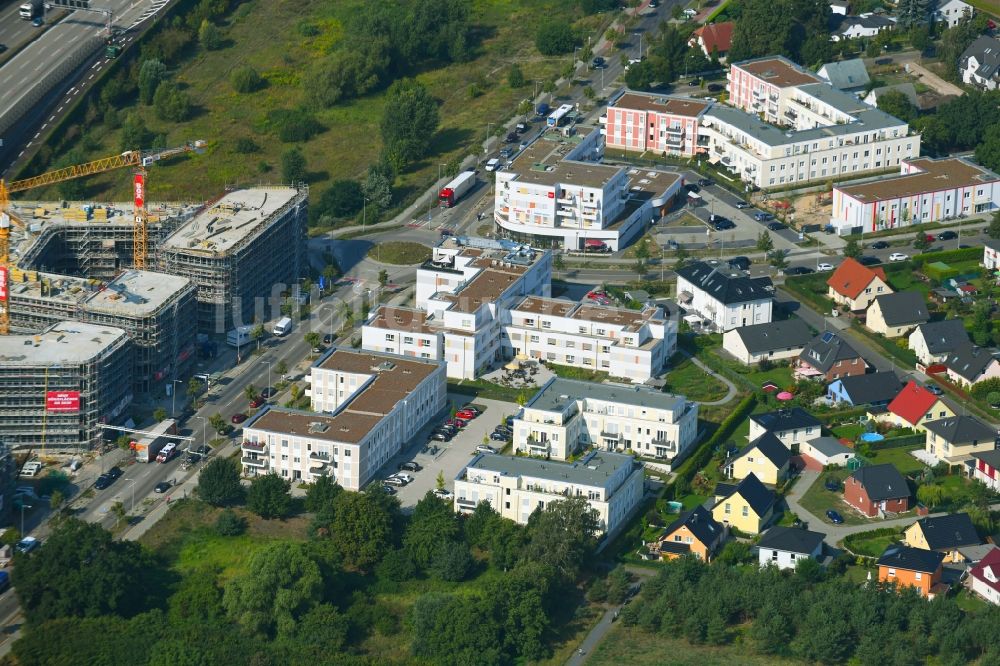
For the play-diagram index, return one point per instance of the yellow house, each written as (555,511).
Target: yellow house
(747,506)
(913,407)
(855,286)
(766,457)
(956,438)
(895,315)
(943,534)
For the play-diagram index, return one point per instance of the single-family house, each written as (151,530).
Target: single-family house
(829,357)
(894,315)
(951,12)
(714,38)
(854,285)
(943,534)
(827,451)
(984,577)
(975,554)
(954,439)
(913,407)
(877,489)
(991,255)
(970,364)
(725,298)
(849,75)
(911,567)
(840,7)
(980,63)
(766,457)
(785,547)
(985,468)
(694,532)
(748,506)
(934,341)
(775,341)
(908,90)
(876,389)
(791,426)
(863,25)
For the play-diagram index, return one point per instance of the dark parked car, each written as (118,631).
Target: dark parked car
(512,137)
(328,339)
(705,182)
(106,479)
(834,517)
(716,87)
(506,152)
(935,389)
(763,217)
(441,436)
(114,473)
(798,270)
(409,466)
(162,487)
(741,204)
(389,490)
(257,402)
(869,260)
(947,235)
(268,392)
(776,226)
(880,245)
(691,187)
(723,224)
(238,418)
(598,63)
(740,263)
(499,437)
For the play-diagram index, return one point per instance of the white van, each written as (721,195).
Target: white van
(493,164)
(283,327)
(32,468)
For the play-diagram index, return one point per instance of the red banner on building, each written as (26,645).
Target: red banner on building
(62,401)
(3,283)
(140,190)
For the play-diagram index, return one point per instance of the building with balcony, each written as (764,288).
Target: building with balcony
(557,194)
(366,406)
(85,368)
(662,124)
(725,299)
(567,416)
(927,190)
(515,487)
(629,345)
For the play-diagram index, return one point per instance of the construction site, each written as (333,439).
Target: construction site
(81,275)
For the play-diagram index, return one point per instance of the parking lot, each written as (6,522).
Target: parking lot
(452,456)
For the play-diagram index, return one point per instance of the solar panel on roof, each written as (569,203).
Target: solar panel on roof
(827,337)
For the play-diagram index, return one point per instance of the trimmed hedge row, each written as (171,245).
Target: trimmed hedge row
(700,458)
(965,254)
(851,539)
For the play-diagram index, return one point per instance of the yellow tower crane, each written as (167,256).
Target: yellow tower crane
(131,158)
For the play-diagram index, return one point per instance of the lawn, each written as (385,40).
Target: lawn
(874,546)
(817,499)
(581,374)
(400,253)
(850,431)
(268,34)
(900,457)
(689,380)
(625,645)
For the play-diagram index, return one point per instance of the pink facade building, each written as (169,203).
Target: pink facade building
(642,122)
(756,86)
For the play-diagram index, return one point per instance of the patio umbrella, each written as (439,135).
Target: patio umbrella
(785,395)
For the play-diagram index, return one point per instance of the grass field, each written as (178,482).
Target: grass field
(624,645)
(692,382)
(265,34)
(874,546)
(402,253)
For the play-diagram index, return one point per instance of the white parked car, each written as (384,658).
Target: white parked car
(824,267)
(443,494)
(483,448)
(898,256)
(31,468)
(402,476)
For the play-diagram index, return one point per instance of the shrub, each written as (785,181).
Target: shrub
(245,145)
(294,125)
(245,79)
(229,523)
(452,562)
(555,38)
(397,566)
(171,103)
(293,165)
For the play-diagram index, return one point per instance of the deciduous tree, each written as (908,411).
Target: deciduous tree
(409,122)
(269,496)
(219,482)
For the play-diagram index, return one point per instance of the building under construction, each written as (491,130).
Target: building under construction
(237,251)
(57,387)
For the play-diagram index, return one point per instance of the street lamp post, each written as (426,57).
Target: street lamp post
(486,146)
(268,363)
(132,486)
(173,397)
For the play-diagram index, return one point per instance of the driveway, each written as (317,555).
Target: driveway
(453,456)
(930,78)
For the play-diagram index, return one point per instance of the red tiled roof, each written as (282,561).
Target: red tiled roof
(912,403)
(851,278)
(990,562)
(718,36)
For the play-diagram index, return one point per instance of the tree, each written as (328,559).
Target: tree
(312,339)
(515,77)
(920,37)
(218,423)
(378,187)
(361,529)
(269,496)
(282,367)
(321,494)
(343,198)
(229,523)
(56,500)
(171,103)
(293,165)
(764,28)
(555,38)
(558,263)
(409,122)
(895,103)
(135,135)
(639,267)
(452,561)
(764,242)
(852,249)
(250,392)
(281,584)
(590,93)
(397,566)
(562,535)
(159,414)
(920,241)
(151,73)
(912,12)
(257,334)
(988,151)
(779,259)
(82,571)
(439,481)
(677,12)
(433,523)
(209,36)
(321,632)
(642,250)
(245,79)
(219,482)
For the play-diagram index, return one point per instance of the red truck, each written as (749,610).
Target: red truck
(454,190)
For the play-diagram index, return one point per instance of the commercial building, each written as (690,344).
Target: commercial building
(926,190)
(725,299)
(247,247)
(662,124)
(366,407)
(630,345)
(515,487)
(567,416)
(58,386)
(556,194)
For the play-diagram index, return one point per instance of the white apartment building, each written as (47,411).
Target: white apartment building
(515,487)
(627,344)
(663,124)
(725,299)
(926,190)
(366,407)
(556,194)
(567,416)
(403,331)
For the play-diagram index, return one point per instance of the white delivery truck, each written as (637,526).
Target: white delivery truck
(283,327)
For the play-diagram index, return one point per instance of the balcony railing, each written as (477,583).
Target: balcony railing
(256,462)
(254,446)
(616,436)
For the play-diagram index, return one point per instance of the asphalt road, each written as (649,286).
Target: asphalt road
(14,31)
